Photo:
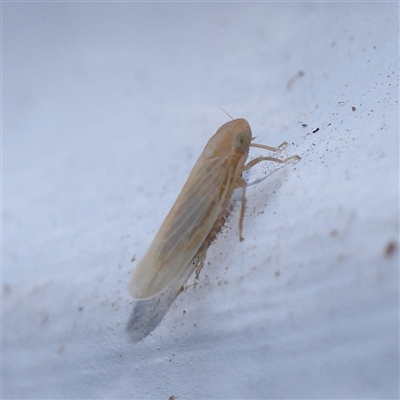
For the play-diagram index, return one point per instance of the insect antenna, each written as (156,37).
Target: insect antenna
(225,112)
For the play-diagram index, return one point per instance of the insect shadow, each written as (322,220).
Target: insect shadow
(259,180)
(148,313)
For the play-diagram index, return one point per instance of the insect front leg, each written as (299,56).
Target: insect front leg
(269,148)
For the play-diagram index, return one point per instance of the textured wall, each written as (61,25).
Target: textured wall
(106,107)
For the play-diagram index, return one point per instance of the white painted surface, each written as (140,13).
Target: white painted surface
(106,107)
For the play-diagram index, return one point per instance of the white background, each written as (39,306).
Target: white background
(106,107)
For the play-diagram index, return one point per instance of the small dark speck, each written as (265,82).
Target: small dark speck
(60,349)
(45,319)
(277,273)
(315,130)
(390,248)
(6,289)
(80,308)
(333,232)
(133,258)
(353,108)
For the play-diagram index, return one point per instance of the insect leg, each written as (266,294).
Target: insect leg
(243,184)
(270,148)
(257,160)
(199,260)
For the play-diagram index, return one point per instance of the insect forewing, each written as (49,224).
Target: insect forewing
(183,231)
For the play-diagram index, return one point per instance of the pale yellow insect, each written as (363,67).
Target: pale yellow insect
(181,243)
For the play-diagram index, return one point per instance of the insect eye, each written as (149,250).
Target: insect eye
(241,142)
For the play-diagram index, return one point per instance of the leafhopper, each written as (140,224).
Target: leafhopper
(199,212)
